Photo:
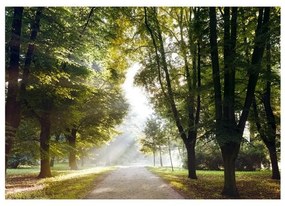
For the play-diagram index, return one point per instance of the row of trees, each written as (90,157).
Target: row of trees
(160,137)
(62,91)
(210,71)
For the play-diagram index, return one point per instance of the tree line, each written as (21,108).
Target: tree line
(211,71)
(63,93)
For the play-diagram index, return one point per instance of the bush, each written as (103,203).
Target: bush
(252,156)
(17,159)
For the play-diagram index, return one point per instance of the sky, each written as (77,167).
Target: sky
(136,97)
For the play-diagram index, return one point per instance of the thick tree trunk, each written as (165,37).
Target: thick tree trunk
(12,110)
(72,152)
(229,154)
(274,161)
(45,123)
(191,157)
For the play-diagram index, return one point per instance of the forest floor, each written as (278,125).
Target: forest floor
(133,183)
(251,184)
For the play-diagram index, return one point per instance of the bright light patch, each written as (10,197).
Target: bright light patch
(135,95)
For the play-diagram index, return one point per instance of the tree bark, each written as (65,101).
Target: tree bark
(72,152)
(229,154)
(12,110)
(274,161)
(215,66)
(191,159)
(30,51)
(269,143)
(45,123)
(270,118)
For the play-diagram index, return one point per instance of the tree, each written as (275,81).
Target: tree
(228,132)
(188,130)
(154,138)
(12,114)
(14,94)
(267,97)
(95,125)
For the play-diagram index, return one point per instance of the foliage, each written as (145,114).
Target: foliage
(252,156)
(70,78)
(154,135)
(26,148)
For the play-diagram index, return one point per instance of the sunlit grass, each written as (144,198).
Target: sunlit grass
(251,185)
(66,184)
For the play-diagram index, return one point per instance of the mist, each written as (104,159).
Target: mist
(124,149)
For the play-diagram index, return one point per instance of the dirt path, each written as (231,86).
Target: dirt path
(133,183)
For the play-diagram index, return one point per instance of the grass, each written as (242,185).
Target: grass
(251,185)
(65,184)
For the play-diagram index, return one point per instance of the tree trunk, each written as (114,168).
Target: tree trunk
(160,156)
(229,154)
(31,48)
(82,161)
(12,110)
(191,157)
(45,123)
(271,134)
(72,152)
(52,161)
(153,157)
(170,156)
(274,161)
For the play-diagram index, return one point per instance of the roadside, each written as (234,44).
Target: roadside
(66,184)
(251,184)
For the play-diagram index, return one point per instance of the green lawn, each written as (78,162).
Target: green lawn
(251,185)
(65,184)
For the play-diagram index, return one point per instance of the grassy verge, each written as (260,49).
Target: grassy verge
(251,185)
(65,184)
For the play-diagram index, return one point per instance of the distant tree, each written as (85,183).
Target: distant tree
(154,138)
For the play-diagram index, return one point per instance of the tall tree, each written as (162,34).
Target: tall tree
(267,129)
(188,132)
(228,132)
(12,110)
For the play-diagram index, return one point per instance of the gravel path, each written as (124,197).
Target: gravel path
(132,183)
